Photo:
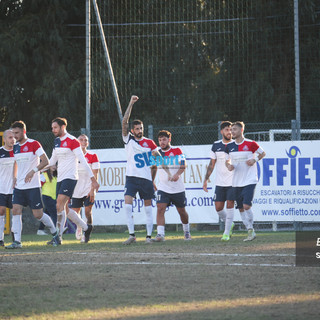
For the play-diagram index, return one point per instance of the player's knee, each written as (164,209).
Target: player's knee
(246,207)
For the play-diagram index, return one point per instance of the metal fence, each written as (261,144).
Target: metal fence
(192,135)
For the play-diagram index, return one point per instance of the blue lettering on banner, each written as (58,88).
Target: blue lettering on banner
(148,160)
(291,170)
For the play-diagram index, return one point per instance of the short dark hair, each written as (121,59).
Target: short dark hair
(19,124)
(60,121)
(225,124)
(239,124)
(164,133)
(135,123)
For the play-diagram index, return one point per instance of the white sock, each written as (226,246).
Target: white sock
(46,220)
(149,219)
(61,221)
(222,214)
(160,230)
(75,218)
(250,218)
(130,222)
(17,227)
(244,219)
(229,220)
(186,227)
(2,223)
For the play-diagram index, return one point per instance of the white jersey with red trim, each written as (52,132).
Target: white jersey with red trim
(6,170)
(67,152)
(239,154)
(83,185)
(223,175)
(27,157)
(138,156)
(172,159)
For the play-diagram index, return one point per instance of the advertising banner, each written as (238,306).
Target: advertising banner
(288,188)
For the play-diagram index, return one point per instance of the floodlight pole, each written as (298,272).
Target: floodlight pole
(88,68)
(297,69)
(106,51)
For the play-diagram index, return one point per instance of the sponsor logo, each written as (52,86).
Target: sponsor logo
(3,155)
(38,204)
(65,190)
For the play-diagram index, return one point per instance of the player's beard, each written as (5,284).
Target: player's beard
(139,135)
(227,138)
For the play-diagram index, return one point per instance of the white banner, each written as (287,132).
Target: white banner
(288,189)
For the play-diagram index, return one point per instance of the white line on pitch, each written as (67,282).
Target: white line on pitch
(160,254)
(149,263)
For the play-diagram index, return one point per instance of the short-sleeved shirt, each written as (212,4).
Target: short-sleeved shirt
(27,157)
(83,185)
(175,157)
(6,171)
(138,156)
(63,152)
(239,154)
(223,175)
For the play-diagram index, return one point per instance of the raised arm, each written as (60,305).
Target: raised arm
(126,117)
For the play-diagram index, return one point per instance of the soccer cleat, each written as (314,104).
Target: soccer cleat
(1,243)
(14,245)
(83,239)
(251,235)
(56,241)
(130,240)
(225,237)
(148,240)
(231,230)
(42,233)
(87,233)
(158,238)
(78,233)
(187,236)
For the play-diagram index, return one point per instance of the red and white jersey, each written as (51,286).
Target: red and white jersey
(239,154)
(138,156)
(172,158)
(83,185)
(223,175)
(67,152)
(6,170)
(27,157)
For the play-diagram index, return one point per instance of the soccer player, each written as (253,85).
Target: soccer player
(171,189)
(30,159)
(242,157)
(223,180)
(7,166)
(83,194)
(139,176)
(67,153)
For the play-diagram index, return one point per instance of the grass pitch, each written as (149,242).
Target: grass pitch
(199,279)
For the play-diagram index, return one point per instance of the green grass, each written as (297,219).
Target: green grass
(199,279)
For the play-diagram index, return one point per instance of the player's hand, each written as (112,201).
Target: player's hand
(29,176)
(250,162)
(154,186)
(230,167)
(205,185)
(134,99)
(92,195)
(175,177)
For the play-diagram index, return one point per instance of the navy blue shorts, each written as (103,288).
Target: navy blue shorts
(66,187)
(80,202)
(223,194)
(143,186)
(177,199)
(6,200)
(243,195)
(27,197)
